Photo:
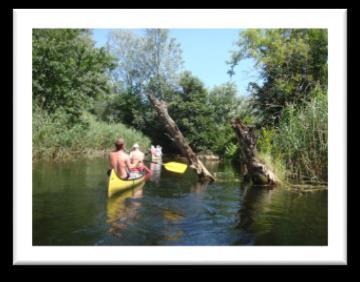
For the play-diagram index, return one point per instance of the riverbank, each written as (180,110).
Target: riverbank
(54,139)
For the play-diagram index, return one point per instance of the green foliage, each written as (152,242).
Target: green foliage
(231,151)
(82,103)
(69,73)
(292,62)
(203,116)
(290,104)
(190,111)
(53,138)
(148,63)
(300,141)
(264,140)
(223,102)
(71,84)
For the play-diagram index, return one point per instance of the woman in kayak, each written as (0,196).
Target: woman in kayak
(137,159)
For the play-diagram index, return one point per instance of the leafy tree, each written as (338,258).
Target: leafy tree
(223,101)
(204,116)
(292,62)
(69,72)
(191,112)
(148,63)
(151,64)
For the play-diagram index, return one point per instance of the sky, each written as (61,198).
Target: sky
(205,52)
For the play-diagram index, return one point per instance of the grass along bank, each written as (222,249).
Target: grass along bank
(54,139)
(298,146)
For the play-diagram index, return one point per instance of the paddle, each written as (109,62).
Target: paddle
(175,167)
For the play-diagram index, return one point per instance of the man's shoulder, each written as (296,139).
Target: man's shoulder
(124,155)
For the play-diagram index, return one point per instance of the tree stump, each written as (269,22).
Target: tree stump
(178,138)
(254,169)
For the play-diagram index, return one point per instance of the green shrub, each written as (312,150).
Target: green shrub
(52,138)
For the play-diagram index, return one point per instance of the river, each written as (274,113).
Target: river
(71,208)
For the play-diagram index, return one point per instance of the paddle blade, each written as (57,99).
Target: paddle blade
(176,167)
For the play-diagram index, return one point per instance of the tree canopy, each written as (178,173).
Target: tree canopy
(292,62)
(69,73)
(153,63)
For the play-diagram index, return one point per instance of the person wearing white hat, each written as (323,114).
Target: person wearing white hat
(137,158)
(136,146)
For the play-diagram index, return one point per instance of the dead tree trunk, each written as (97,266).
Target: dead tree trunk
(175,133)
(255,170)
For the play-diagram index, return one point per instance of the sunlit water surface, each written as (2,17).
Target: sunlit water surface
(70,207)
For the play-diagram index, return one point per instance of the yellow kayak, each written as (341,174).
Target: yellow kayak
(117,184)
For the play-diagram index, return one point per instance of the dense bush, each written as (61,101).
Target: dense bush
(52,138)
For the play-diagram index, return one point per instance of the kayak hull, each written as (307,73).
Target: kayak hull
(116,184)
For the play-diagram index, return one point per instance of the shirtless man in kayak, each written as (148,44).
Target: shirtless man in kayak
(119,160)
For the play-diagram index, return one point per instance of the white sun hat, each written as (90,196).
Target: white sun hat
(136,145)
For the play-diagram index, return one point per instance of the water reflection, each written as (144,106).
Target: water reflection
(253,200)
(156,172)
(122,209)
(281,217)
(199,187)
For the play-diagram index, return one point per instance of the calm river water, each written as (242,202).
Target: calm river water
(70,207)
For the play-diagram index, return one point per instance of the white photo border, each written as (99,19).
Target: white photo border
(25,20)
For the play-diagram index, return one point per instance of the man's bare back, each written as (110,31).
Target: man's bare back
(119,160)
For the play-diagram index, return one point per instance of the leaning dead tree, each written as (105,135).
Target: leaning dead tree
(254,168)
(175,133)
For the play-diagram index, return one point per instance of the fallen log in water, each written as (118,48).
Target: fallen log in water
(251,166)
(178,138)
